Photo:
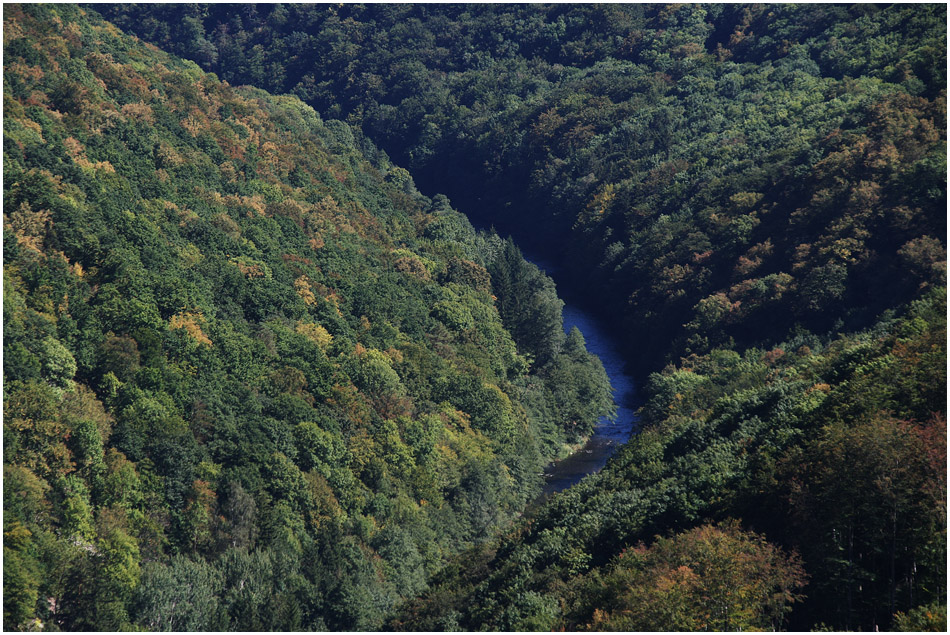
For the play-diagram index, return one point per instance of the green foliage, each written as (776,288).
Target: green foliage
(710,173)
(709,578)
(180,596)
(59,365)
(253,378)
(528,303)
(22,575)
(826,448)
(923,618)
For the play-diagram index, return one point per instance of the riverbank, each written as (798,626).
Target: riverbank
(608,435)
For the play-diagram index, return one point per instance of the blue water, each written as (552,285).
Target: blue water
(608,435)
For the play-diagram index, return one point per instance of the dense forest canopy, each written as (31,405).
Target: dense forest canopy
(718,173)
(255,379)
(249,371)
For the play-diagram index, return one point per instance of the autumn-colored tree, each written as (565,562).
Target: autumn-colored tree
(714,577)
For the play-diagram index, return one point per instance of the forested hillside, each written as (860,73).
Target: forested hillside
(834,450)
(253,379)
(715,173)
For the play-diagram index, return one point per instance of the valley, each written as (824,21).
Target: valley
(474,317)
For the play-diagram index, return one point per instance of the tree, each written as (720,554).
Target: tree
(22,576)
(180,596)
(527,303)
(240,515)
(59,365)
(710,578)
(861,501)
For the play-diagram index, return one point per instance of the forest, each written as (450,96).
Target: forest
(268,363)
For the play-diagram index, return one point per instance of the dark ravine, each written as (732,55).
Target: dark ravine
(599,336)
(600,339)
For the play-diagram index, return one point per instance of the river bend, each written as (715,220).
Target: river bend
(608,435)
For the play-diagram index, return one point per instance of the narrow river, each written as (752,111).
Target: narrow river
(608,435)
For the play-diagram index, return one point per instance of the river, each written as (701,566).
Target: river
(608,435)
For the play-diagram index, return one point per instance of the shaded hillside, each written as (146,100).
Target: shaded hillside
(835,451)
(253,379)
